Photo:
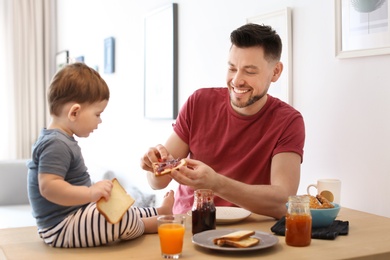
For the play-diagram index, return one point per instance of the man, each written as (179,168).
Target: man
(240,142)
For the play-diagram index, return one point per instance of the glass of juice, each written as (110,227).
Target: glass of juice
(171,229)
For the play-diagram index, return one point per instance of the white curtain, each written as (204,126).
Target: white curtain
(30,42)
(7,147)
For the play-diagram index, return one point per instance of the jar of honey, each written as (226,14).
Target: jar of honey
(203,211)
(298,221)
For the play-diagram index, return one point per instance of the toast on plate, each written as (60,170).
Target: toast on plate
(246,242)
(240,239)
(236,235)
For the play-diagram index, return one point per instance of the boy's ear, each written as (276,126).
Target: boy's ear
(74,111)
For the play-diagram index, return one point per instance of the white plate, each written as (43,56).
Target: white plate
(231,214)
(205,239)
(225,215)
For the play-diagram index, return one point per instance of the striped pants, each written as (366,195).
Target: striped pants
(88,228)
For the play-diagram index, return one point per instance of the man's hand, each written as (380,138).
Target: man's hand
(197,175)
(156,154)
(153,155)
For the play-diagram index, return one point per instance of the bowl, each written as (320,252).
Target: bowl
(323,217)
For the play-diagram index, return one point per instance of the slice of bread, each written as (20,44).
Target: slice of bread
(119,202)
(240,239)
(236,236)
(246,242)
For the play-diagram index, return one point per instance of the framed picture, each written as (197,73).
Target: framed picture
(362,28)
(161,63)
(62,58)
(79,59)
(109,55)
(280,21)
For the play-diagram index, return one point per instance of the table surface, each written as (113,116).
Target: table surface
(368,238)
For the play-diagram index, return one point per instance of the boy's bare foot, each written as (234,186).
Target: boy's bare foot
(167,204)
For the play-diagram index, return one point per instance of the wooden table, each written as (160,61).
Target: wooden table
(368,238)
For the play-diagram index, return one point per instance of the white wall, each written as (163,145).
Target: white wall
(345,103)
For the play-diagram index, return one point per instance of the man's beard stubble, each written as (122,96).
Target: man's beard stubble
(251,101)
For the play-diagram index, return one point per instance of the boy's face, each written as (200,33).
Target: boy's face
(88,118)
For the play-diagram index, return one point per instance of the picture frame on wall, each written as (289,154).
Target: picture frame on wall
(109,55)
(62,58)
(280,21)
(362,28)
(80,59)
(161,63)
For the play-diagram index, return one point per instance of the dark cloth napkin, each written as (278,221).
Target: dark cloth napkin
(338,227)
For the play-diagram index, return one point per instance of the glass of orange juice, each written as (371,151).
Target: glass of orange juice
(171,230)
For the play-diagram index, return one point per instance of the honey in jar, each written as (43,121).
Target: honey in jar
(298,221)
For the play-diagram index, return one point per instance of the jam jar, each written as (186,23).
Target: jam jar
(298,221)
(203,211)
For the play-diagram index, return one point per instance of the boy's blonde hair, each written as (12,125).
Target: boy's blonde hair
(78,83)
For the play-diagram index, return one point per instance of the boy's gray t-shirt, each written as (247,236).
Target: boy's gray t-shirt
(56,153)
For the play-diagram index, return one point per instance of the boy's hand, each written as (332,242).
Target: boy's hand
(101,189)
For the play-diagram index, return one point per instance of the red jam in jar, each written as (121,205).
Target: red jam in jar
(203,211)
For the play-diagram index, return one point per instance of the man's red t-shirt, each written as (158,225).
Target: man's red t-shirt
(239,147)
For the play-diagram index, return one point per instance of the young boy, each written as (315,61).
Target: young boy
(61,194)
